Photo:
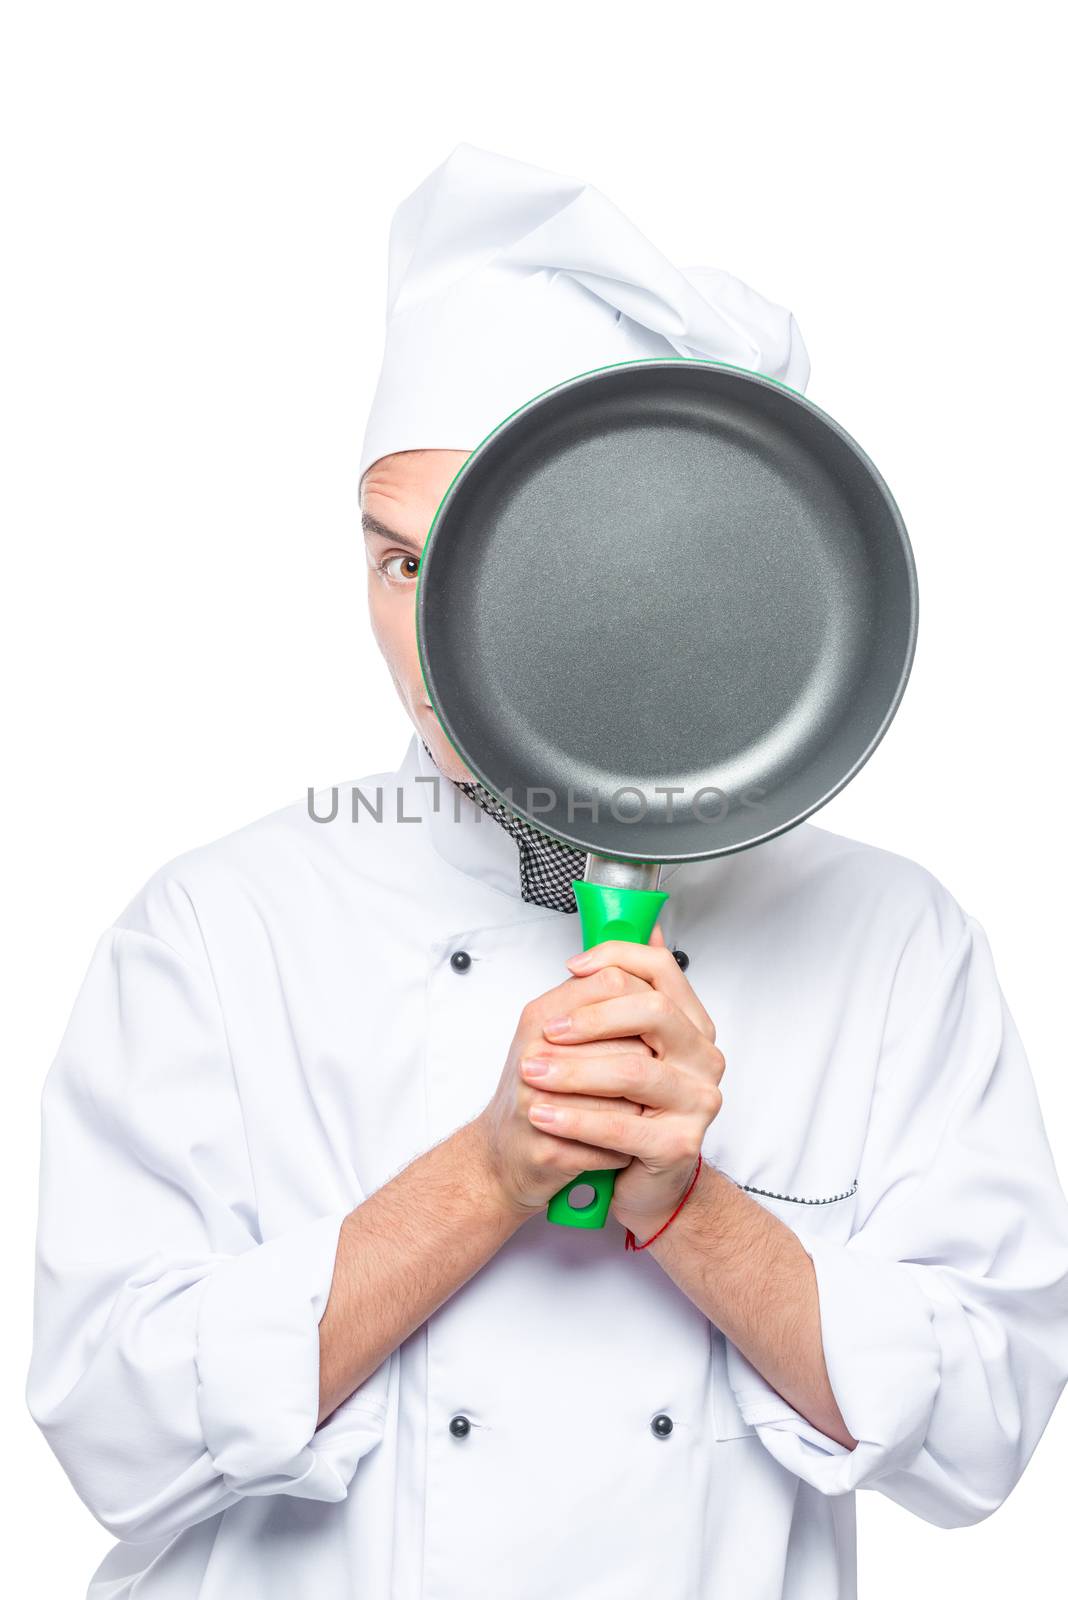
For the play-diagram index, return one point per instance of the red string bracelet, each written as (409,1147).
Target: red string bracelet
(630,1243)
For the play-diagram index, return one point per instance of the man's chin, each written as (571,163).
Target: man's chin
(446,760)
(451,766)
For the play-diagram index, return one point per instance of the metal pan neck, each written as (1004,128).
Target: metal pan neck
(622,874)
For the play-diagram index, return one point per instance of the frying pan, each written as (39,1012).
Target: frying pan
(665,611)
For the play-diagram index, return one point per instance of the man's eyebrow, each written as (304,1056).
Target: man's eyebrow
(371,524)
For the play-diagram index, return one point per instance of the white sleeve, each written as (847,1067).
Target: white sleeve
(945,1315)
(176,1352)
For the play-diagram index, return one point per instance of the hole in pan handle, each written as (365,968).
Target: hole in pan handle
(616,900)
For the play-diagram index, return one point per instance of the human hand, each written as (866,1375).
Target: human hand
(668,1064)
(529,1164)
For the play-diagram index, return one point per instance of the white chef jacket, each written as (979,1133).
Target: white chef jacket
(274,1028)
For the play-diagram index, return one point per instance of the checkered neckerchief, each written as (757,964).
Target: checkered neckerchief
(546,867)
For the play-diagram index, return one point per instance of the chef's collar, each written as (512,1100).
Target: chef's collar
(463,834)
(546,867)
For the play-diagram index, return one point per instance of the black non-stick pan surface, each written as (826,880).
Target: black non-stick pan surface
(673,592)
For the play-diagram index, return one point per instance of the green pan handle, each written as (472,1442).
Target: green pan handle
(606,912)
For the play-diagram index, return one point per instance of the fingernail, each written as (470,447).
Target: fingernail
(557,1025)
(583,959)
(536,1067)
(543,1113)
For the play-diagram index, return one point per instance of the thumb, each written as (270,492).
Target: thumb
(657,937)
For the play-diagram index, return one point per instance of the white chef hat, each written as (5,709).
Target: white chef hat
(505,279)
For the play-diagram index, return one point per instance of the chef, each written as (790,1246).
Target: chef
(302,1327)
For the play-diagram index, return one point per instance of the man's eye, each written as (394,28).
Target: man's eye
(400,569)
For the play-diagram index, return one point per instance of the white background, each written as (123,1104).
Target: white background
(199,197)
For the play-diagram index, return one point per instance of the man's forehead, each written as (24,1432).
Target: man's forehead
(412,469)
(400,493)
